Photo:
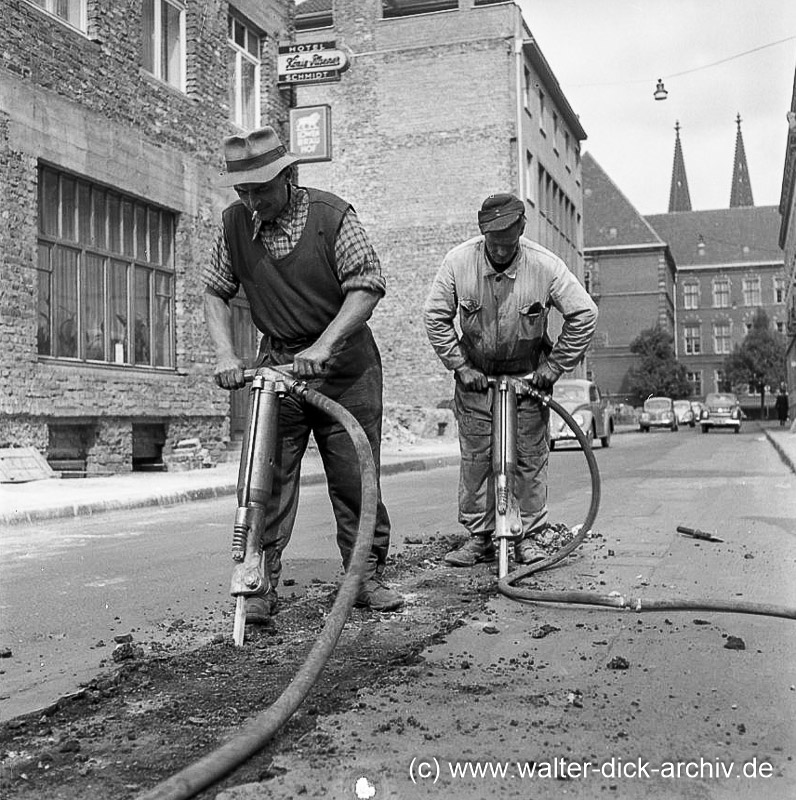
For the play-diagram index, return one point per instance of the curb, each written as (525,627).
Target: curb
(191,495)
(786,459)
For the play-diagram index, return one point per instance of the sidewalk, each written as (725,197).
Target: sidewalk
(54,498)
(784,442)
(58,497)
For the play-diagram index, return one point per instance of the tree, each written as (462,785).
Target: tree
(759,360)
(658,371)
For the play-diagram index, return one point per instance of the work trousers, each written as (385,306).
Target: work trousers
(361,395)
(476,483)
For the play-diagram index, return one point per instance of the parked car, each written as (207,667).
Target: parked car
(658,412)
(584,402)
(684,413)
(721,410)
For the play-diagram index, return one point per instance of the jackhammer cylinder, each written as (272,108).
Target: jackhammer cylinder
(508,522)
(504,429)
(256,474)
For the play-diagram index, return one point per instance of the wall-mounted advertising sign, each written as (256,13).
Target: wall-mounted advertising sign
(311,133)
(311,62)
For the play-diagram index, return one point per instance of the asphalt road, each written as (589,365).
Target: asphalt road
(68,587)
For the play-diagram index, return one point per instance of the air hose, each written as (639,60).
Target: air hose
(523,594)
(257,732)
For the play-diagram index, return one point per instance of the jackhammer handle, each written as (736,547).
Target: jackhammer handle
(522,384)
(284,371)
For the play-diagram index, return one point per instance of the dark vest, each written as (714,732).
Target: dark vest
(293,299)
(296,297)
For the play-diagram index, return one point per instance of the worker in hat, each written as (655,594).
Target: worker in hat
(502,287)
(312,280)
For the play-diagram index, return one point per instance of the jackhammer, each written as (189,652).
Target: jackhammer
(504,424)
(508,525)
(254,485)
(269,385)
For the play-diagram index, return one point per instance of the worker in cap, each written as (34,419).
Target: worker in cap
(500,286)
(312,279)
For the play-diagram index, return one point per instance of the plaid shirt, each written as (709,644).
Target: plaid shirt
(358,266)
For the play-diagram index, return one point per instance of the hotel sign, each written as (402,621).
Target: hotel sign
(311,62)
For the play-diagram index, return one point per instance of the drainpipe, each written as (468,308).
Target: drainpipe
(518,78)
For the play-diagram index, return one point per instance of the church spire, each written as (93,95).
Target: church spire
(679,198)
(741,194)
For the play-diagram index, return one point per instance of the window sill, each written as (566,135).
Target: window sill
(104,366)
(161,84)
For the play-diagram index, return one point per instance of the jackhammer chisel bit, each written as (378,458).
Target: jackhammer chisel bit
(255,480)
(695,533)
(508,524)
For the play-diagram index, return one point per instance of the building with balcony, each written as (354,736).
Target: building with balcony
(111,121)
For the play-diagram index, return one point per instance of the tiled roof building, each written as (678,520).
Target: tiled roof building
(701,275)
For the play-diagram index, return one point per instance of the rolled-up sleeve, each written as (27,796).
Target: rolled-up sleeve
(217,273)
(358,266)
(439,311)
(580,320)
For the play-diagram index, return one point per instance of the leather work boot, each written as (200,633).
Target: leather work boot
(261,607)
(475,550)
(376,596)
(527,551)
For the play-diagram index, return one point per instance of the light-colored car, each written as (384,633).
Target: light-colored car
(584,402)
(721,410)
(658,412)
(684,412)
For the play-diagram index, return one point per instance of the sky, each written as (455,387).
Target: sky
(608,55)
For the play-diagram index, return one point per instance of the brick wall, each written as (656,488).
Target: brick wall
(83,104)
(416,152)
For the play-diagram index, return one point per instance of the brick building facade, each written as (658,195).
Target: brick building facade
(728,266)
(787,241)
(111,118)
(700,275)
(630,273)
(445,102)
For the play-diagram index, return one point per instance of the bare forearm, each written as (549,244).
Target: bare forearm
(218,315)
(355,311)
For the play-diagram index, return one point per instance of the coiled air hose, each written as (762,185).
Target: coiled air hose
(256,733)
(523,594)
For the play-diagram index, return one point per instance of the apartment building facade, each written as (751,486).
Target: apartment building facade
(729,266)
(787,241)
(111,121)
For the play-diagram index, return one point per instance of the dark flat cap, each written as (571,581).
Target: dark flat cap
(500,211)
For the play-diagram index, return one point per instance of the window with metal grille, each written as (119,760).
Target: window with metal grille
(163,40)
(105,274)
(244,73)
